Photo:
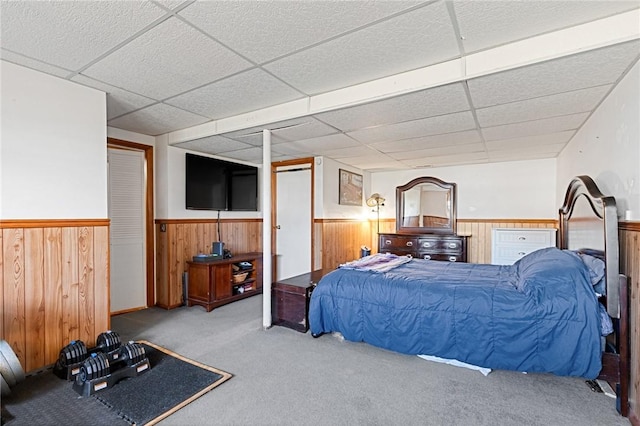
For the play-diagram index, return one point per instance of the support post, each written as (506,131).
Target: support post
(267,268)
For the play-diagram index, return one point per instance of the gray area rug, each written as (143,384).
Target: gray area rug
(172,382)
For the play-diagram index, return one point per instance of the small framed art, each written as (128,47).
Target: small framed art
(350,188)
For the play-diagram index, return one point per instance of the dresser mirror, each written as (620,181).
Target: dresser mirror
(426,205)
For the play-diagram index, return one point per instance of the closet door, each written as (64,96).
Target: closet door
(293,221)
(127,230)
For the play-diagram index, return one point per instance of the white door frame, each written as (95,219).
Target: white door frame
(302,162)
(149,211)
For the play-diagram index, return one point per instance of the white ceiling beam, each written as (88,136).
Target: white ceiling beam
(578,39)
(569,41)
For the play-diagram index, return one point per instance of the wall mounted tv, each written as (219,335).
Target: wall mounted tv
(213,184)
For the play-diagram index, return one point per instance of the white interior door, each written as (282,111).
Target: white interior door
(293,222)
(127,230)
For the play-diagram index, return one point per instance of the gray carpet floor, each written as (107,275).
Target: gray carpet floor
(283,377)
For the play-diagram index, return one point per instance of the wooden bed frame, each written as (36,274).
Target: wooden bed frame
(589,220)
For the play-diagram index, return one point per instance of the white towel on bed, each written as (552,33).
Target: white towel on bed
(381,262)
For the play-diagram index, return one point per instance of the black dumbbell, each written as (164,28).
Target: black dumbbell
(108,341)
(97,365)
(132,353)
(73,353)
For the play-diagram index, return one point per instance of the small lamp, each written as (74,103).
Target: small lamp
(375,201)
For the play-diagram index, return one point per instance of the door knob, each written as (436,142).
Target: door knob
(277,226)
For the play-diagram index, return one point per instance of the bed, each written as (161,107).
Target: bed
(547,313)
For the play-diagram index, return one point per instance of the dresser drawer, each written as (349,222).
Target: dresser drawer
(398,242)
(522,237)
(440,245)
(446,247)
(442,257)
(511,244)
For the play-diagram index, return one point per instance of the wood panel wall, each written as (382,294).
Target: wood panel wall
(178,240)
(339,240)
(54,286)
(630,266)
(479,232)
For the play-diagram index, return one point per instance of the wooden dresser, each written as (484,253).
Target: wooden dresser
(445,247)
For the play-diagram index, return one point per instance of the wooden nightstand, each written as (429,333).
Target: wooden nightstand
(290,300)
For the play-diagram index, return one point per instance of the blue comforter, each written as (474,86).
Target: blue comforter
(538,315)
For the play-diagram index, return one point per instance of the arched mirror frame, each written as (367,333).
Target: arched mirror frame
(449,228)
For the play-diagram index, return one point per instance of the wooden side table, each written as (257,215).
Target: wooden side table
(290,300)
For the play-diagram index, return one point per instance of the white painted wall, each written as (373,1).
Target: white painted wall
(170,192)
(607,148)
(327,191)
(53,162)
(518,189)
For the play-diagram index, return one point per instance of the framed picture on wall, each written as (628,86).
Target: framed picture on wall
(350,188)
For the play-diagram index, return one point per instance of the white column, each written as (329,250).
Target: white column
(266,229)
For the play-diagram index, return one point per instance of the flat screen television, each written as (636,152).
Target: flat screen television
(213,184)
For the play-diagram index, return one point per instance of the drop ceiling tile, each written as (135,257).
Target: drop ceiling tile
(253,138)
(171,4)
(536,127)
(471,157)
(156,120)
(416,39)
(411,129)
(594,68)
(281,157)
(213,145)
(288,130)
(252,155)
(447,139)
(438,152)
(169,59)
(547,106)
(537,140)
(289,148)
(324,143)
(354,151)
(72,34)
(367,161)
(119,101)
(248,91)
(311,128)
(14,58)
(265,30)
(513,156)
(548,150)
(375,165)
(426,103)
(485,24)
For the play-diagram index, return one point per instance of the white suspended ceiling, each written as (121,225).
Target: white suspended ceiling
(378,85)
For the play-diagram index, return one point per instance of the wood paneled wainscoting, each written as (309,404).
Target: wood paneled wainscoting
(630,266)
(178,240)
(339,240)
(479,232)
(54,286)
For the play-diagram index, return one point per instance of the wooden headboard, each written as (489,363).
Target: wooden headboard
(589,220)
